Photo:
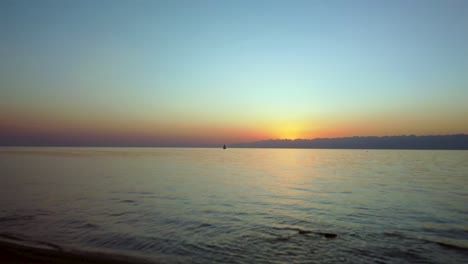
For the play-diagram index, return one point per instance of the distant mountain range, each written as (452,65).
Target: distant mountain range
(452,142)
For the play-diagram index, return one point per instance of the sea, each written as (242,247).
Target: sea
(209,205)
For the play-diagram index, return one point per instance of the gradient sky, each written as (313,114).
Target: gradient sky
(212,72)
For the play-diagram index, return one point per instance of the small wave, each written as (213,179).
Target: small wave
(127,201)
(398,235)
(12,237)
(79,224)
(412,256)
(89,225)
(164,197)
(300,189)
(202,225)
(121,214)
(197,226)
(305,232)
(121,241)
(451,246)
(16,218)
(9,238)
(32,251)
(429,241)
(142,192)
(448,232)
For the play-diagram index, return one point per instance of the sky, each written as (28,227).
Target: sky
(199,73)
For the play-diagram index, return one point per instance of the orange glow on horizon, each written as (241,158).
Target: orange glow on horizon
(290,131)
(154,132)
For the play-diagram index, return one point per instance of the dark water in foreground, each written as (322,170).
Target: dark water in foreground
(241,205)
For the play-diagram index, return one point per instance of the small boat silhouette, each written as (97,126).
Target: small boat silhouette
(224,146)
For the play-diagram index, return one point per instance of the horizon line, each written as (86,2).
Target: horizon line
(233,145)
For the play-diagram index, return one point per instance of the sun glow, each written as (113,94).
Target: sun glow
(290,131)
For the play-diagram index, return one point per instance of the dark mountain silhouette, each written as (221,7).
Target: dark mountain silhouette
(455,142)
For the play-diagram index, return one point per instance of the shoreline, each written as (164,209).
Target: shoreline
(15,253)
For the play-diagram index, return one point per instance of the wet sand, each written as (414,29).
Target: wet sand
(13,253)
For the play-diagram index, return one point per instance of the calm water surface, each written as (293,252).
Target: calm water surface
(241,205)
